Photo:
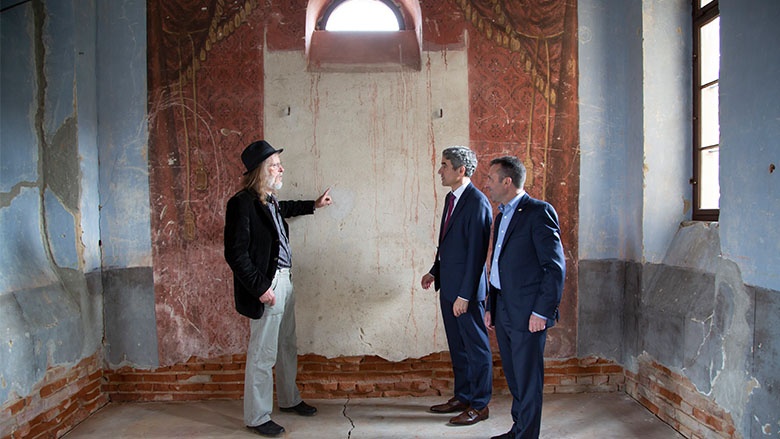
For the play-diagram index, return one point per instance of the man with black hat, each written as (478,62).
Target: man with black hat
(257,248)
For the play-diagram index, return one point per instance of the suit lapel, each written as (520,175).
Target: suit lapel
(516,218)
(265,211)
(518,214)
(456,211)
(495,232)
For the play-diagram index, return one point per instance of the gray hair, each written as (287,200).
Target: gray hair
(461,156)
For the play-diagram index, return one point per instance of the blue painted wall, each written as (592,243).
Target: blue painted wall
(74,173)
(694,296)
(610,130)
(123,134)
(750,139)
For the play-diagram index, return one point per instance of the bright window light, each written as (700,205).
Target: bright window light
(362,15)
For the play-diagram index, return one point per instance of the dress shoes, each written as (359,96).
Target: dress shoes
(507,435)
(302,409)
(269,429)
(451,406)
(471,416)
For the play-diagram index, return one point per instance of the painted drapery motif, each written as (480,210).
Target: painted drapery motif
(523,97)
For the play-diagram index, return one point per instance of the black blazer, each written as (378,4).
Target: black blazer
(252,246)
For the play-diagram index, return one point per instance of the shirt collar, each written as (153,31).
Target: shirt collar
(459,191)
(512,204)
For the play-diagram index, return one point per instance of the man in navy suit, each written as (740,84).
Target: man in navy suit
(526,282)
(459,274)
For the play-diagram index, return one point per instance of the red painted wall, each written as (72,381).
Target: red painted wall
(206,104)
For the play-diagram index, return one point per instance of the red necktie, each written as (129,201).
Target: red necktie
(450,206)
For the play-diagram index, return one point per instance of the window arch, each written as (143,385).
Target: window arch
(362,50)
(362,15)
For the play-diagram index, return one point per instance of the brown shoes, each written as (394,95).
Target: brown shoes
(451,406)
(471,416)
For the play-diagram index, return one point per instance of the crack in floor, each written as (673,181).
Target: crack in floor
(344,412)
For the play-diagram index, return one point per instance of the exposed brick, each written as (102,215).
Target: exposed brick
(350,367)
(17,406)
(648,405)
(159,378)
(672,397)
(309,367)
(346,360)
(364,388)
(233,388)
(51,388)
(228,377)
(347,385)
(383,386)
(568,381)
(584,380)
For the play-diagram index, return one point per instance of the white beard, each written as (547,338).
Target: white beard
(270,183)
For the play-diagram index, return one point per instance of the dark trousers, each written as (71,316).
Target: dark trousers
(472,362)
(522,357)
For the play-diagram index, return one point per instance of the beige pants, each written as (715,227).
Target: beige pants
(272,341)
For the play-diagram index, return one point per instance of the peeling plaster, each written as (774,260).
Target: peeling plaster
(732,386)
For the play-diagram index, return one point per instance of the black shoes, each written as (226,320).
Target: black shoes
(272,429)
(269,429)
(302,409)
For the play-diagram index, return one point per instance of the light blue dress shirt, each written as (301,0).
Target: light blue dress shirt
(507,212)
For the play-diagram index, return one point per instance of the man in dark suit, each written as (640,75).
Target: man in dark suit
(459,274)
(257,249)
(526,282)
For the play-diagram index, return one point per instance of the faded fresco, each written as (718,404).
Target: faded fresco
(206,102)
(523,90)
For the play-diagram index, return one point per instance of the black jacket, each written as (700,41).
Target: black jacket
(252,246)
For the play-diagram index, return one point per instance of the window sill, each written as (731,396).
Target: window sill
(363,51)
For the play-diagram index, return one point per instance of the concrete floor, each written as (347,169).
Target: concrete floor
(579,416)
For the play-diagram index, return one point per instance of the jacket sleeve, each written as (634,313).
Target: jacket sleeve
(478,242)
(294,208)
(237,239)
(549,252)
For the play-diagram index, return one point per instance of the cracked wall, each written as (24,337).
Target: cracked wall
(50,290)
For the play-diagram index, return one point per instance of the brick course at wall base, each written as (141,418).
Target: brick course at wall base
(675,400)
(64,398)
(345,377)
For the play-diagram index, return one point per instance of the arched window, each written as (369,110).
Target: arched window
(363,16)
(363,35)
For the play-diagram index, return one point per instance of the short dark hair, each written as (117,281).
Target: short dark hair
(461,156)
(512,167)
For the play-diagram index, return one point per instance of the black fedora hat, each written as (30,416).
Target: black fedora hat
(255,153)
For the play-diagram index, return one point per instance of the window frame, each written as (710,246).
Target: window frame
(701,17)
